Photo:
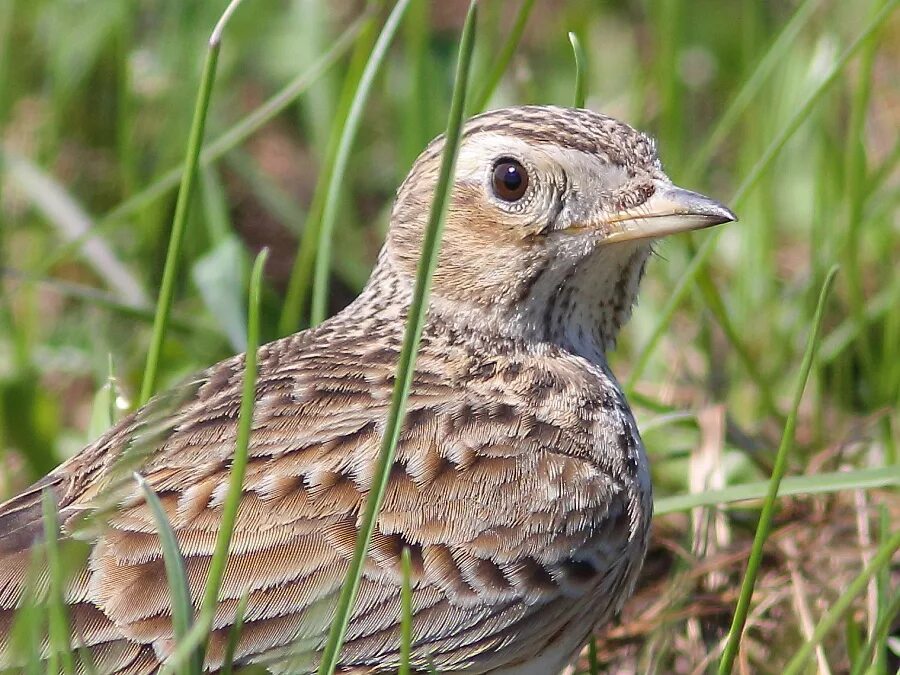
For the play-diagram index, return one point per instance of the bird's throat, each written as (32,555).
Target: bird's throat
(577,304)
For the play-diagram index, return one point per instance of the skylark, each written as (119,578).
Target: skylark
(520,485)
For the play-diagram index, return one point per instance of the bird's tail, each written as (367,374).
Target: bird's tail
(94,643)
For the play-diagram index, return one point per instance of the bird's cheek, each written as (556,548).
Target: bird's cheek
(574,216)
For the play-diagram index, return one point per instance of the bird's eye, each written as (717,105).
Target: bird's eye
(510,179)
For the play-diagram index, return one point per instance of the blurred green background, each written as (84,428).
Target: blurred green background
(753,103)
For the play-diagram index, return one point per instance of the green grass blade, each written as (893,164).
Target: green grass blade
(245,128)
(199,633)
(322,266)
(886,609)
(417,111)
(179,222)
(823,483)
(231,648)
(856,192)
(272,198)
(885,170)
(845,333)
(853,639)
(6,31)
(27,634)
(593,661)
(87,665)
(297,294)
(93,296)
(580,69)
(882,630)
(218,276)
(57,614)
(768,508)
(405,612)
(242,443)
(176,577)
(195,638)
(884,555)
(679,292)
(480,101)
(406,363)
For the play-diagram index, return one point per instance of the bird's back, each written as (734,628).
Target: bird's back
(519,486)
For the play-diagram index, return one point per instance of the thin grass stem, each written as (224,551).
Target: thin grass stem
(57,614)
(765,66)
(417,112)
(59,207)
(822,483)
(768,507)
(884,555)
(7,15)
(198,635)
(886,609)
(855,178)
(230,507)
(179,223)
(716,305)
(493,78)
(322,268)
(405,612)
(235,634)
(593,660)
(406,362)
(176,576)
(27,637)
(863,660)
(98,298)
(580,69)
(803,112)
(297,295)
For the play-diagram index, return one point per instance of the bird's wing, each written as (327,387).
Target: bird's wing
(491,491)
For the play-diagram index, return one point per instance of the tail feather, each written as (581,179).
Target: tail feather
(21,518)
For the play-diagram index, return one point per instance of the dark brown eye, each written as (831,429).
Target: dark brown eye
(510,180)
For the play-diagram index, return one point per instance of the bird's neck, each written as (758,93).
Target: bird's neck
(577,305)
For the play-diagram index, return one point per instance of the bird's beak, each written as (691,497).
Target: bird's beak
(669,210)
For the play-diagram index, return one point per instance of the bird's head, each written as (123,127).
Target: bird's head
(549,224)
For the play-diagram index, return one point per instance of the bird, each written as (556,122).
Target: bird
(520,485)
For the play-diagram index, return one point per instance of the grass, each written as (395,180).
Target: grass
(60,656)
(179,590)
(407,359)
(341,136)
(764,526)
(580,66)
(336,177)
(185,193)
(789,110)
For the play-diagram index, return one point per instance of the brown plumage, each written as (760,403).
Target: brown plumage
(520,484)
